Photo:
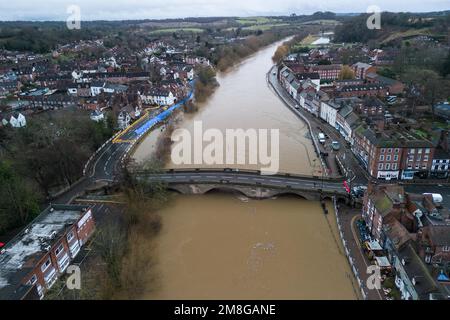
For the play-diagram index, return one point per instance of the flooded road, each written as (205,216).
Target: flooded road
(224,246)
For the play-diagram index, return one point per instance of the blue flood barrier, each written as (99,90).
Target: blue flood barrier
(163,115)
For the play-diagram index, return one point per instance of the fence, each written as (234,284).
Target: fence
(97,151)
(347,252)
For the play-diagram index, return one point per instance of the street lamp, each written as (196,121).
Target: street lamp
(321,171)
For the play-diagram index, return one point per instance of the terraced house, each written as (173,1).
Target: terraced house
(393,153)
(414,231)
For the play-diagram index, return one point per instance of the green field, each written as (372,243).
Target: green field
(408,33)
(256,20)
(309,40)
(172,30)
(265,27)
(328,22)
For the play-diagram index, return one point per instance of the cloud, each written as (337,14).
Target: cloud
(159,9)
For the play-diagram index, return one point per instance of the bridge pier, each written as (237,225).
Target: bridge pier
(247,191)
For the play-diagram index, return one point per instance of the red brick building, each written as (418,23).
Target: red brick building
(393,154)
(32,262)
(363,90)
(362,69)
(327,72)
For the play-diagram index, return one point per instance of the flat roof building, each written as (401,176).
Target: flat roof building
(33,260)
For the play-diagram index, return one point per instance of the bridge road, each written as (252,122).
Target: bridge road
(251,179)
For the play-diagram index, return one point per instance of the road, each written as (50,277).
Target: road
(252,179)
(357,174)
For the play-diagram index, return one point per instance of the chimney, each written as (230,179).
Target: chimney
(443,140)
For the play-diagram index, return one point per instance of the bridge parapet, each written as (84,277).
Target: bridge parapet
(276,184)
(140,172)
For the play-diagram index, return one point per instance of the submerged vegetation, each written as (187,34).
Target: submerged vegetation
(205,84)
(122,261)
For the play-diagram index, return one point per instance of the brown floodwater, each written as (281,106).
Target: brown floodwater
(225,246)
(244,101)
(222,246)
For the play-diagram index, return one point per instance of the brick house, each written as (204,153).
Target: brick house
(32,261)
(362,69)
(393,86)
(327,72)
(392,154)
(363,90)
(415,235)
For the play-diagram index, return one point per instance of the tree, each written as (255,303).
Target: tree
(346,73)
(18,204)
(446,66)
(281,52)
(426,86)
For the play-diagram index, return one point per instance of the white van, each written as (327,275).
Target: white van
(321,137)
(437,198)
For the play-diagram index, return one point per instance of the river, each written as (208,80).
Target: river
(224,246)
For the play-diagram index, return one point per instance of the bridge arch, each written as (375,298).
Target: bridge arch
(222,189)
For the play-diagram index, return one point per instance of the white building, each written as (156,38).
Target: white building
(97,116)
(99,87)
(159,97)
(123,120)
(328,112)
(18,121)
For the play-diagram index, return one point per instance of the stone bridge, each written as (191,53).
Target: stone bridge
(252,184)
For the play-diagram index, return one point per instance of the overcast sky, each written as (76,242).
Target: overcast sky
(159,9)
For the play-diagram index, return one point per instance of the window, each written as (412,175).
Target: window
(383,150)
(425,158)
(33,279)
(382,158)
(70,236)
(412,151)
(389,150)
(388,158)
(396,158)
(59,249)
(394,166)
(45,265)
(427,150)
(388,166)
(419,158)
(419,151)
(446,248)
(380,166)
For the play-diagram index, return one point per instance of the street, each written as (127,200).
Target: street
(318,125)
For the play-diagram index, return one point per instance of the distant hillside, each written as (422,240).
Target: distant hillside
(394,26)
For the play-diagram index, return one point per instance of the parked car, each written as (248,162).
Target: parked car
(358,191)
(321,137)
(335,145)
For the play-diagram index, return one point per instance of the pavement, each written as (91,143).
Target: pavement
(347,217)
